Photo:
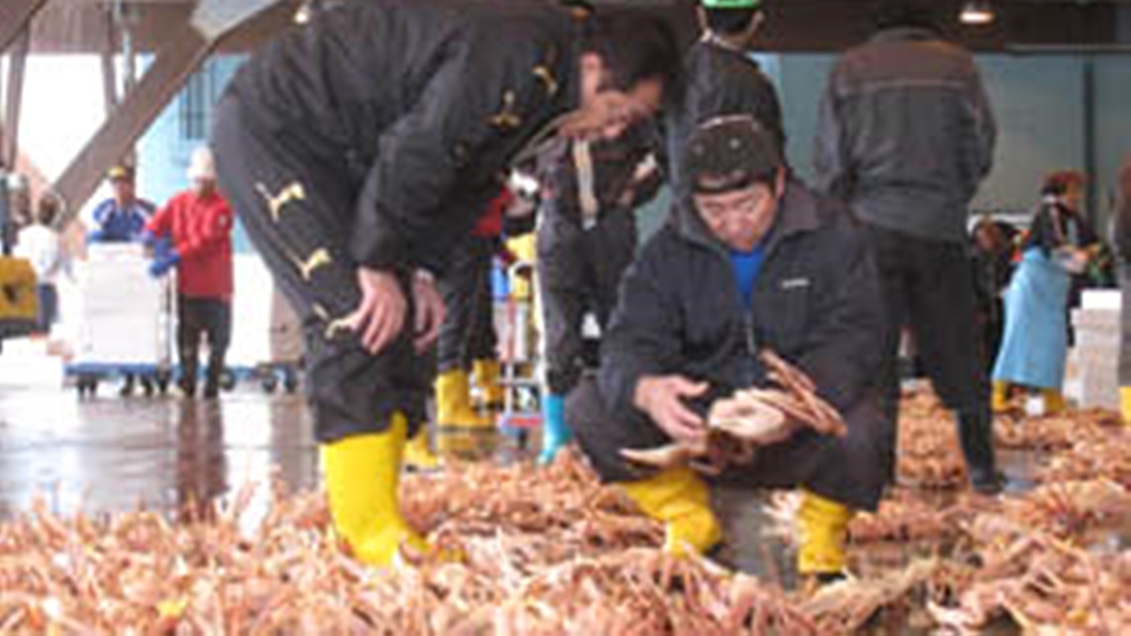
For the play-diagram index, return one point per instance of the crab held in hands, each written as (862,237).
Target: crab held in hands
(751,418)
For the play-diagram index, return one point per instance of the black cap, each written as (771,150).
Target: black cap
(730,153)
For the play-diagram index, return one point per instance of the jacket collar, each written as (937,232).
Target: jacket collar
(905,34)
(798,213)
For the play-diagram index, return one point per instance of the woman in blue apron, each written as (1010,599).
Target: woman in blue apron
(1035,344)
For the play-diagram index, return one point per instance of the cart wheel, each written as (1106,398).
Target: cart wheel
(290,381)
(269,382)
(227,380)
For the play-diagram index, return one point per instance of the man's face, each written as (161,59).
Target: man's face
(123,190)
(605,112)
(740,218)
(203,187)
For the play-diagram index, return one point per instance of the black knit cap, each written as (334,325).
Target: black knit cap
(730,153)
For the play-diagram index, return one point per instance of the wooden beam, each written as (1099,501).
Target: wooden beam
(181,54)
(17,63)
(109,72)
(14,18)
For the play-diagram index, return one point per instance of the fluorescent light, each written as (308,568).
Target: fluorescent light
(977,13)
(302,16)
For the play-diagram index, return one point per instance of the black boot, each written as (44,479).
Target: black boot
(212,384)
(187,382)
(975,432)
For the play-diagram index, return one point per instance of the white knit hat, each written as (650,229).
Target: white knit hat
(202,166)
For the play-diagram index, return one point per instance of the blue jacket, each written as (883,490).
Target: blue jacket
(116,225)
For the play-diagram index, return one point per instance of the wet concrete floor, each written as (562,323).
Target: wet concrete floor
(111,454)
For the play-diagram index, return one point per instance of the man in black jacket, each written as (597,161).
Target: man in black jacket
(750,259)
(721,77)
(905,134)
(359,149)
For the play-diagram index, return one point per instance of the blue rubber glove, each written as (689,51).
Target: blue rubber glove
(95,236)
(151,240)
(161,266)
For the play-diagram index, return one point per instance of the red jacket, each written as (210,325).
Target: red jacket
(490,223)
(201,232)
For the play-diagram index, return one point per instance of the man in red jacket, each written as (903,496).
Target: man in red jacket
(193,233)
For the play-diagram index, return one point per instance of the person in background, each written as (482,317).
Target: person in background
(1123,248)
(193,234)
(1059,243)
(586,238)
(905,135)
(122,217)
(722,79)
(993,265)
(39,243)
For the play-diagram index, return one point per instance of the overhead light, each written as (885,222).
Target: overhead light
(977,13)
(302,16)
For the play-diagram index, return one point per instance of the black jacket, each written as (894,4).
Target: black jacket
(816,302)
(720,81)
(428,100)
(614,163)
(905,134)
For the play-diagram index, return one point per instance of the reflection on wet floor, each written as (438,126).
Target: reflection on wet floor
(115,454)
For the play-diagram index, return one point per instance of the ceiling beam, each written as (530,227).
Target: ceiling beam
(17,64)
(14,18)
(183,51)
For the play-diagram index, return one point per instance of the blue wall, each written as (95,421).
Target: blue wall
(1038,101)
(165,149)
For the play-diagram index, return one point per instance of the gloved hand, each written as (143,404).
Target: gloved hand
(163,263)
(95,236)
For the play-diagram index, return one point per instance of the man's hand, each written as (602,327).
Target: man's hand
(430,311)
(661,397)
(379,317)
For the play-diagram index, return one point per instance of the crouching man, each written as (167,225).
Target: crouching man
(751,259)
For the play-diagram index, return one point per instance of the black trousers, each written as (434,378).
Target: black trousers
(468,332)
(296,200)
(579,271)
(928,287)
(199,318)
(852,470)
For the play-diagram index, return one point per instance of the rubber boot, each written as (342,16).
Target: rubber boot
(1055,404)
(555,431)
(999,397)
(418,454)
(487,378)
(679,498)
(362,473)
(975,432)
(453,402)
(823,525)
(1125,404)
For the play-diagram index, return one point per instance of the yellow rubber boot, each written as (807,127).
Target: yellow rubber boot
(999,398)
(1055,404)
(417,453)
(1125,404)
(453,402)
(679,498)
(823,524)
(362,473)
(487,377)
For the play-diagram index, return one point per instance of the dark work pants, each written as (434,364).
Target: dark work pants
(579,271)
(468,332)
(296,199)
(928,287)
(852,470)
(198,318)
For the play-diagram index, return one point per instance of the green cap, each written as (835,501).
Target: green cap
(731,4)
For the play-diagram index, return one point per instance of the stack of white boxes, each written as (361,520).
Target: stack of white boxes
(1095,358)
(125,318)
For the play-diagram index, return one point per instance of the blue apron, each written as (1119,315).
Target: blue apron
(1035,345)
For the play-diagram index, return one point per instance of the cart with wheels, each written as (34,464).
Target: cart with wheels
(126,322)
